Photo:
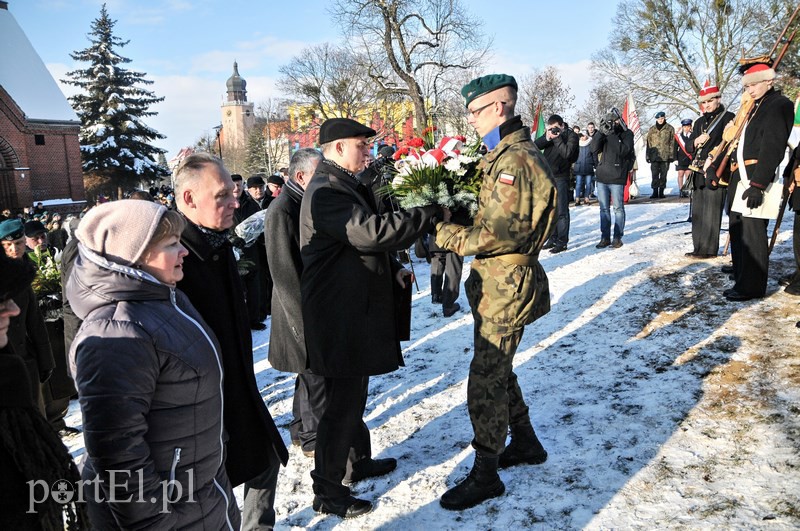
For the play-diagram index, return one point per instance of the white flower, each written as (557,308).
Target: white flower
(398,180)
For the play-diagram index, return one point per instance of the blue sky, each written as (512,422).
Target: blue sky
(188,47)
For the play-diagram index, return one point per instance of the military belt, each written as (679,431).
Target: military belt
(526,260)
(748,162)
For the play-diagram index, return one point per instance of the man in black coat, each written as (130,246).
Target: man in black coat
(560,147)
(348,301)
(754,164)
(204,195)
(708,200)
(287,339)
(254,281)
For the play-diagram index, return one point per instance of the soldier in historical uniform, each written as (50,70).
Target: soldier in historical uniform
(761,148)
(660,152)
(507,287)
(708,200)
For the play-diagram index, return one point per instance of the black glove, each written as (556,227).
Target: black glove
(461,216)
(45,375)
(754,197)
(712,181)
(238,242)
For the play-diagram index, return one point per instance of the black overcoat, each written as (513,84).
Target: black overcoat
(287,340)
(765,137)
(348,275)
(212,283)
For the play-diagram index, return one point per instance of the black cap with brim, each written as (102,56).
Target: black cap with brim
(255,180)
(483,85)
(32,228)
(338,128)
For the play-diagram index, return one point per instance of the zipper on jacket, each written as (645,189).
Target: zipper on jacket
(174,301)
(176,458)
(224,495)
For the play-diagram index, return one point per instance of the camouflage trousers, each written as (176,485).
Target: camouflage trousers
(494,398)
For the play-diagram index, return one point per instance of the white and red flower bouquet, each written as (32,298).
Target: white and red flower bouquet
(442,174)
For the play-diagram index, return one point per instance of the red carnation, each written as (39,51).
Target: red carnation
(415,142)
(400,153)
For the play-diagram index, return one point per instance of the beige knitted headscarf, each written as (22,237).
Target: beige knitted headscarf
(120,230)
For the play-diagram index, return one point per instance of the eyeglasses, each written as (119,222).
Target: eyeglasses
(476,112)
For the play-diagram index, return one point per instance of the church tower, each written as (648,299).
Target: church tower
(238,118)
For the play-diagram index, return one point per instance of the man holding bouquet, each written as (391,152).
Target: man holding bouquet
(507,287)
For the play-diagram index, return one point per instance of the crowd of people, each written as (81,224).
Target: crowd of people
(161,297)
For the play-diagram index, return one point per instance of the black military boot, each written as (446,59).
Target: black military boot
(523,448)
(481,484)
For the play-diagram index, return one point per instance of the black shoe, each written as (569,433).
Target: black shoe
(370,468)
(558,249)
(448,312)
(436,299)
(255,325)
(727,269)
(700,256)
(524,448)
(603,244)
(792,289)
(785,280)
(481,484)
(68,431)
(617,243)
(346,507)
(548,245)
(734,296)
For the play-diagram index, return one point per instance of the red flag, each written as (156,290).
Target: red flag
(631,119)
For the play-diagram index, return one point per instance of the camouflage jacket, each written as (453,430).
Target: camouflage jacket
(516,212)
(661,144)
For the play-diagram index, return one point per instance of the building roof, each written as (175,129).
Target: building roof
(25,77)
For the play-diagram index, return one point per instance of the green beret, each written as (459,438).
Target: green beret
(12,229)
(482,85)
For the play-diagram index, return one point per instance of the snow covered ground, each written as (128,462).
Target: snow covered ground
(661,404)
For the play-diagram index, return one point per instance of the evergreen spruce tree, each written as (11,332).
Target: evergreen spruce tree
(115,142)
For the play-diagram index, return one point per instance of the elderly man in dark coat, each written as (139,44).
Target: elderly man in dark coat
(287,340)
(348,301)
(204,195)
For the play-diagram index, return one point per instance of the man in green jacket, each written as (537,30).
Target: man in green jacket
(507,287)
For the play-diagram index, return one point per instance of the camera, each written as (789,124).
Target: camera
(555,130)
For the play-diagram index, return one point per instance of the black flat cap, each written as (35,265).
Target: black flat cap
(236,177)
(255,180)
(338,128)
(34,227)
(276,179)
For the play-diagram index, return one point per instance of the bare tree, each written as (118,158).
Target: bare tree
(663,51)
(546,89)
(601,98)
(418,41)
(326,78)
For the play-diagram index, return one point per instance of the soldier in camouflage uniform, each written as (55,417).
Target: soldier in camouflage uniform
(507,287)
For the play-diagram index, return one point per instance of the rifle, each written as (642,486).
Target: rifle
(730,140)
(788,187)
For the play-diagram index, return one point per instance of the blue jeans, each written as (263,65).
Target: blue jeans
(606,193)
(583,186)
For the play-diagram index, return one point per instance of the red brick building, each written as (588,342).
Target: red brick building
(40,158)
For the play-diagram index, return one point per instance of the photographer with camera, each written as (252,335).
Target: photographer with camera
(613,146)
(560,147)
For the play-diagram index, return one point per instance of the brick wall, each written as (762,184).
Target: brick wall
(53,169)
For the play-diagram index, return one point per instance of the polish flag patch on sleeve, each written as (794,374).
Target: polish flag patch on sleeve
(506,178)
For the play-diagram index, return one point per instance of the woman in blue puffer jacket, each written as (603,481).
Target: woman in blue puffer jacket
(149,378)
